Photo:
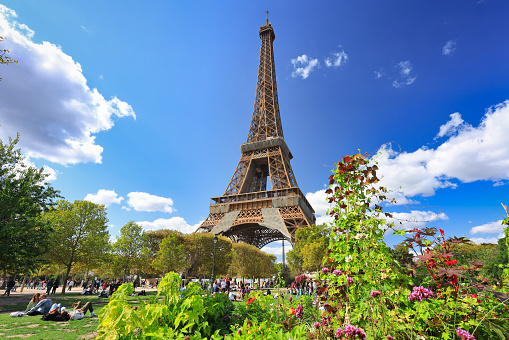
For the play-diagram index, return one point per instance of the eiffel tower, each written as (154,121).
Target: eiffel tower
(247,211)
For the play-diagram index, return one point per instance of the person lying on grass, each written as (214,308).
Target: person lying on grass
(59,313)
(42,307)
(34,301)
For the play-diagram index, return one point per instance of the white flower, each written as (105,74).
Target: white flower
(348,258)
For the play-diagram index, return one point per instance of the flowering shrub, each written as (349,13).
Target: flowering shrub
(372,292)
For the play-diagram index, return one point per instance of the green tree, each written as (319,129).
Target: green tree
(170,256)
(153,239)
(249,261)
(130,247)
(24,196)
(81,234)
(310,248)
(199,250)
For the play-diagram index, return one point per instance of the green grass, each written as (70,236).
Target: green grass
(32,327)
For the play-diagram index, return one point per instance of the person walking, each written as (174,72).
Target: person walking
(10,284)
(49,286)
(55,286)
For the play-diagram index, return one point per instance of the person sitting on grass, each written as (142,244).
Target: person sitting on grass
(88,291)
(234,297)
(103,294)
(33,302)
(42,307)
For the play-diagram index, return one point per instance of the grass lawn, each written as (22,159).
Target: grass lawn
(32,327)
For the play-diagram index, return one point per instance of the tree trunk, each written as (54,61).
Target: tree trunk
(23,284)
(64,281)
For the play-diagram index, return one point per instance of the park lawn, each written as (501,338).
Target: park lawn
(32,327)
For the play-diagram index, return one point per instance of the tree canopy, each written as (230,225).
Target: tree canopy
(80,234)
(310,248)
(24,196)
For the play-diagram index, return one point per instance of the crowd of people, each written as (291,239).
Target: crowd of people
(88,287)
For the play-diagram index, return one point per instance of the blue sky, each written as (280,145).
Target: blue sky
(143,106)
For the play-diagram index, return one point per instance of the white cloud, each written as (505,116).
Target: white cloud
(276,248)
(303,66)
(141,201)
(106,197)
(379,74)
(59,120)
(415,219)
(336,59)
(318,201)
(175,223)
(472,154)
(449,47)
(488,228)
(451,126)
(405,76)
(479,240)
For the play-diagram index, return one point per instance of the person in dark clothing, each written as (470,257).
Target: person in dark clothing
(11,283)
(55,286)
(49,286)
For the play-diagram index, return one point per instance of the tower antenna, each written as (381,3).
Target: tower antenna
(267,20)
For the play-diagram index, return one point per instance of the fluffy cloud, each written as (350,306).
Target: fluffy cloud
(488,228)
(405,74)
(449,47)
(141,201)
(480,240)
(451,126)
(470,154)
(303,66)
(46,98)
(106,197)
(175,223)
(336,59)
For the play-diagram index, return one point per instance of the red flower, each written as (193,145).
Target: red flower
(250,300)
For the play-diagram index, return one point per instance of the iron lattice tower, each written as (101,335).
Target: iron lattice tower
(247,211)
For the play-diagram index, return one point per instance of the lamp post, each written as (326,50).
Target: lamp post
(213,263)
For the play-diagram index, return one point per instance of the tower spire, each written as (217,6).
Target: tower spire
(266,120)
(267,20)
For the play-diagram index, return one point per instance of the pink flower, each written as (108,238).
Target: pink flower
(337,272)
(389,337)
(350,280)
(375,293)
(419,294)
(464,334)
(350,332)
(317,325)
(325,270)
